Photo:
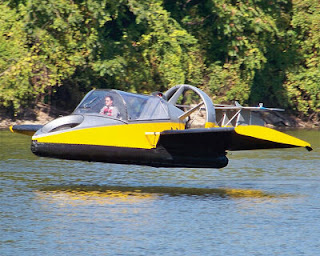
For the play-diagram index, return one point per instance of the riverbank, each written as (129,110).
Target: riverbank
(43,114)
(285,120)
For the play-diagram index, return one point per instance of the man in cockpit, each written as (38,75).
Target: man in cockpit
(109,109)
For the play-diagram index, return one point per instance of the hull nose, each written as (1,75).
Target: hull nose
(34,148)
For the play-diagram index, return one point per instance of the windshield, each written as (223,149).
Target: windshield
(103,102)
(123,105)
(143,107)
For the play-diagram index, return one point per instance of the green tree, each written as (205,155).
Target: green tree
(234,35)
(16,60)
(170,53)
(54,51)
(303,78)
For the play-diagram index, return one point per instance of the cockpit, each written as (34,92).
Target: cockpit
(128,106)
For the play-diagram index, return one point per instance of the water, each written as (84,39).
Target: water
(264,202)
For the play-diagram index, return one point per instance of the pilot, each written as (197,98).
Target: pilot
(109,109)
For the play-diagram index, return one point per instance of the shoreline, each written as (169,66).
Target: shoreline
(272,119)
(39,115)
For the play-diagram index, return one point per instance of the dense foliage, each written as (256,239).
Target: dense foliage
(53,51)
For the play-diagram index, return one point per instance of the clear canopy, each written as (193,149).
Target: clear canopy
(123,105)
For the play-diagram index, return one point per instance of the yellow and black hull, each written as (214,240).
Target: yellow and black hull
(136,143)
(161,144)
(174,147)
(157,157)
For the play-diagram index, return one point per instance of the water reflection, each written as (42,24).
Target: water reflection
(129,193)
(109,197)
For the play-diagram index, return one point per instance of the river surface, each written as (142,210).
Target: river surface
(265,202)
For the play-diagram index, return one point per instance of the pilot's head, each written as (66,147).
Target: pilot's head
(108,101)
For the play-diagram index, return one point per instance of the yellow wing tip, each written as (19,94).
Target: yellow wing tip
(265,133)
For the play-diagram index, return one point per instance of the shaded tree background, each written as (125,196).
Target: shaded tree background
(54,51)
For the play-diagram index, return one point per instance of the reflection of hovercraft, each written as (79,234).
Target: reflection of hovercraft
(91,193)
(153,130)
